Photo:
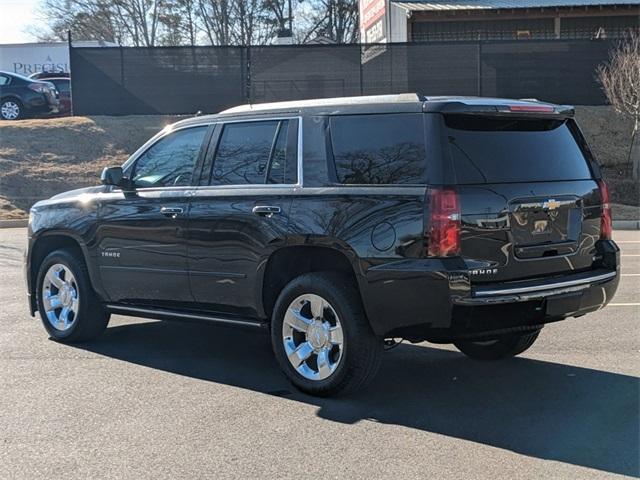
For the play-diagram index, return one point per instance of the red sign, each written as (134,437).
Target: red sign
(373,21)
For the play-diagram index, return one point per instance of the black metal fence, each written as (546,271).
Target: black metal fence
(168,80)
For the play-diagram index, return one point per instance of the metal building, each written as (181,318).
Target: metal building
(458,20)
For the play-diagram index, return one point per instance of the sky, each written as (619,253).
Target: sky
(15,17)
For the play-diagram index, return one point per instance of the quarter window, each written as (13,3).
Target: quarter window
(379,149)
(4,80)
(283,160)
(171,160)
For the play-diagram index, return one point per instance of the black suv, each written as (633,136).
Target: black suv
(339,225)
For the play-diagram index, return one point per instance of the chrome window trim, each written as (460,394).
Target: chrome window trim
(167,131)
(251,186)
(550,286)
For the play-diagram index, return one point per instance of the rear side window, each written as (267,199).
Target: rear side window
(502,150)
(251,153)
(379,149)
(62,85)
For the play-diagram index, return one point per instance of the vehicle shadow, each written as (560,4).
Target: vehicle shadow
(545,410)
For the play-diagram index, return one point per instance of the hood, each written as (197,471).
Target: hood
(73,194)
(79,191)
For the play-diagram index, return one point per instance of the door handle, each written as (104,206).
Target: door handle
(172,212)
(266,210)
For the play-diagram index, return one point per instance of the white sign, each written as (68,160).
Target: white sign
(29,58)
(373,21)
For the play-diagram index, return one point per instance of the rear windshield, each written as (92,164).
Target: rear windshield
(501,150)
(379,149)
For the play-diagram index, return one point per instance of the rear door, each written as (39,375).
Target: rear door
(240,214)
(530,203)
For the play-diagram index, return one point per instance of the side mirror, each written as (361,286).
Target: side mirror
(112,176)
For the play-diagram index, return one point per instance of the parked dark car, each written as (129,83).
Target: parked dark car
(22,97)
(63,86)
(47,75)
(339,225)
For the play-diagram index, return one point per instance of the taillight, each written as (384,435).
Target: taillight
(38,87)
(443,234)
(605,218)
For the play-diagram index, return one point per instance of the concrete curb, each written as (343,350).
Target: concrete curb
(17,223)
(626,224)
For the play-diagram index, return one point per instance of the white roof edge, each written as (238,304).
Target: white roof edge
(321,102)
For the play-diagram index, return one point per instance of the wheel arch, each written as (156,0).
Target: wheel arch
(291,261)
(43,245)
(7,96)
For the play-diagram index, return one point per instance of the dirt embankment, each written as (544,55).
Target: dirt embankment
(39,158)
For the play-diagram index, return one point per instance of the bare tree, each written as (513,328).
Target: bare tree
(216,19)
(254,23)
(88,19)
(179,23)
(141,18)
(620,80)
(186,22)
(129,22)
(336,20)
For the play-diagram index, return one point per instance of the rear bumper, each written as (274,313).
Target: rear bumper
(436,300)
(41,104)
(601,279)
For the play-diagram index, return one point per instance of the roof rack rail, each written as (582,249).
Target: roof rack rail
(320,102)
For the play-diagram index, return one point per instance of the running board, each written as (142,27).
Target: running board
(161,314)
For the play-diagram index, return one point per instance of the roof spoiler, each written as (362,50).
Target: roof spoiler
(519,108)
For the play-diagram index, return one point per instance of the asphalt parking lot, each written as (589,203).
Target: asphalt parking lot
(171,400)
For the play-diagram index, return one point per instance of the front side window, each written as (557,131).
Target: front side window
(254,153)
(171,160)
(379,149)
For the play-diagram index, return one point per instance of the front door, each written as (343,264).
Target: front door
(241,216)
(141,233)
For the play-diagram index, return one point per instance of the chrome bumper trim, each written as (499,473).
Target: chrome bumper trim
(580,282)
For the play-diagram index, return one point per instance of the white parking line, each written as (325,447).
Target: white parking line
(624,305)
(628,241)
(630,254)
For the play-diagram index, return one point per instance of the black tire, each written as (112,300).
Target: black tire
(14,101)
(504,347)
(91,319)
(362,349)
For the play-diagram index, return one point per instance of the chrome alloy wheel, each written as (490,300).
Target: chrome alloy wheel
(312,337)
(10,110)
(60,297)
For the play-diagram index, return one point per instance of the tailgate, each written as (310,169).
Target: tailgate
(530,203)
(510,236)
